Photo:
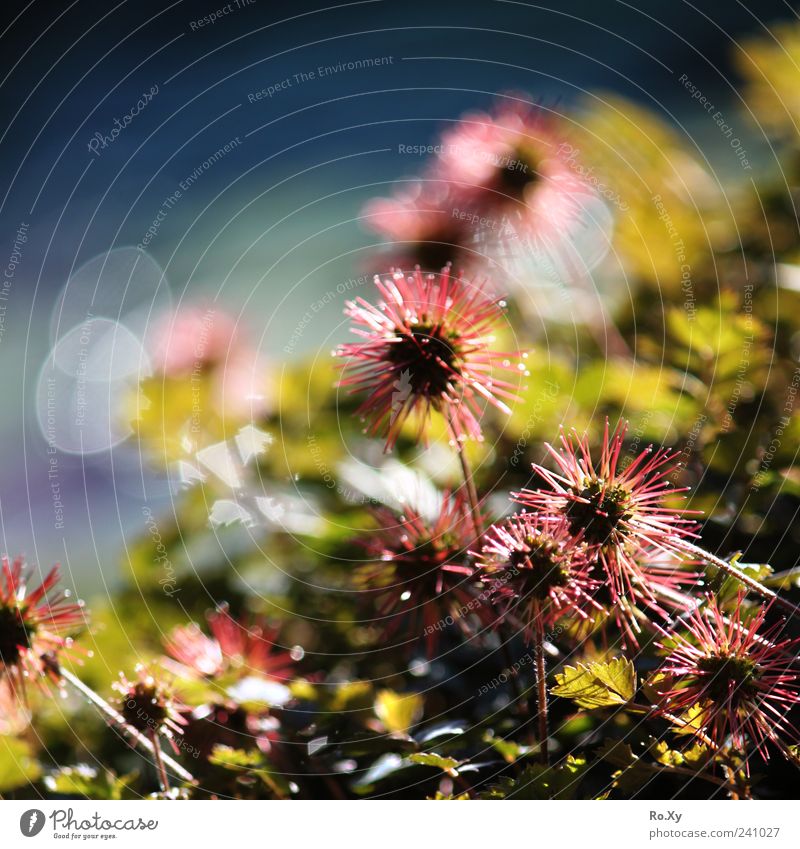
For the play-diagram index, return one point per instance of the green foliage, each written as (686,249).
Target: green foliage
(432,759)
(597,685)
(90,783)
(18,764)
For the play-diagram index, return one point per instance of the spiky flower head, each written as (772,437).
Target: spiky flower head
(615,508)
(147,703)
(426,347)
(740,676)
(536,569)
(34,624)
(250,648)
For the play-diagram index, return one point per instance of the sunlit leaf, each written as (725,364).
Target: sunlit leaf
(597,685)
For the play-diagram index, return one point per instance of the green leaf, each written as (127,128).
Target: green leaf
(432,759)
(508,749)
(616,753)
(726,587)
(235,759)
(18,767)
(597,685)
(634,772)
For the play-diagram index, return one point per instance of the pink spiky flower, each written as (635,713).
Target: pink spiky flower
(420,569)
(511,166)
(615,509)
(426,347)
(234,645)
(744,682)
(534,568)
(34,624)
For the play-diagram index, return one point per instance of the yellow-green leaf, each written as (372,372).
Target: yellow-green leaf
(398,711)
(597,685)
(432,759)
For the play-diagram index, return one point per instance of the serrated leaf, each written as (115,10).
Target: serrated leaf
(597,685)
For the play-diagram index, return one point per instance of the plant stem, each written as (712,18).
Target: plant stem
(469,483)
(682,770)
(645,710)
(541,684)
(730,569)
(140,739)
(159,761)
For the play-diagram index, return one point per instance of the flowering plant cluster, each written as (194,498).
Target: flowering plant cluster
(379,579)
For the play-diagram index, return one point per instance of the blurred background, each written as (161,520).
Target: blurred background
(159,154)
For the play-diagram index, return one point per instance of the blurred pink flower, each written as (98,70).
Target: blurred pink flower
(193,338)
(502,186)
(248,647)
(197,341)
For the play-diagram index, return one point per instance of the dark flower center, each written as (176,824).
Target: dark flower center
(15,635)
(601,513)
(539,568)
(515,172)
(726,670)
(144,707)
(426,360)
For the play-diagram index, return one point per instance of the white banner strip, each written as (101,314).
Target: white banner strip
(393,825)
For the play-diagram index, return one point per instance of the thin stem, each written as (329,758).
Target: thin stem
(140,739)
(541,685)
(730,569)
(648,711)
(682,770)
(159,761)
(469,483)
